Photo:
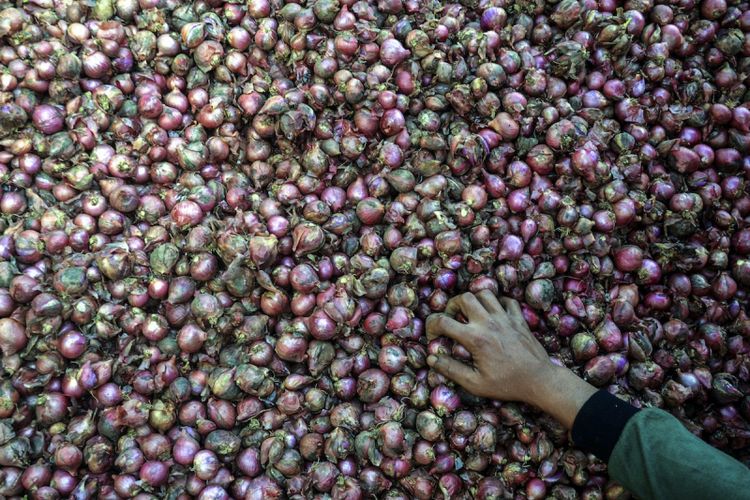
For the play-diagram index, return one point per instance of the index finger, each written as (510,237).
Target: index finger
(468,305)
(512,307)
(458,372)
(491,303)
(515,314)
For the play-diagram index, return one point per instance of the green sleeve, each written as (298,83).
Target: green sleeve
(657,458)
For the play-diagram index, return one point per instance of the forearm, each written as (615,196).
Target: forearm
(656,457)
(560,393)
(652,454)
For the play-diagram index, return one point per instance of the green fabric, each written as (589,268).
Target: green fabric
(657,458)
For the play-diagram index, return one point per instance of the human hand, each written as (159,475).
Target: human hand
(508,362)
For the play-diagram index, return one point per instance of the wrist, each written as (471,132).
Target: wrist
(541,385)
(561,393)
(542,394)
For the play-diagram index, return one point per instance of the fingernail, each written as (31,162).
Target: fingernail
(431,360)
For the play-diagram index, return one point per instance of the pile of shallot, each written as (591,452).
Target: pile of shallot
(223,225)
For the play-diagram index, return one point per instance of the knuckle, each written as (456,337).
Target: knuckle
(430,324)
(480,342)
(444,367)
(453,303)
(473,385)
(439,322)
(460,373)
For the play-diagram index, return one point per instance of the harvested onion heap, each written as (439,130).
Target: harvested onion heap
(224,224)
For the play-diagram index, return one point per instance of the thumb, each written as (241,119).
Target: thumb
(458,372)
